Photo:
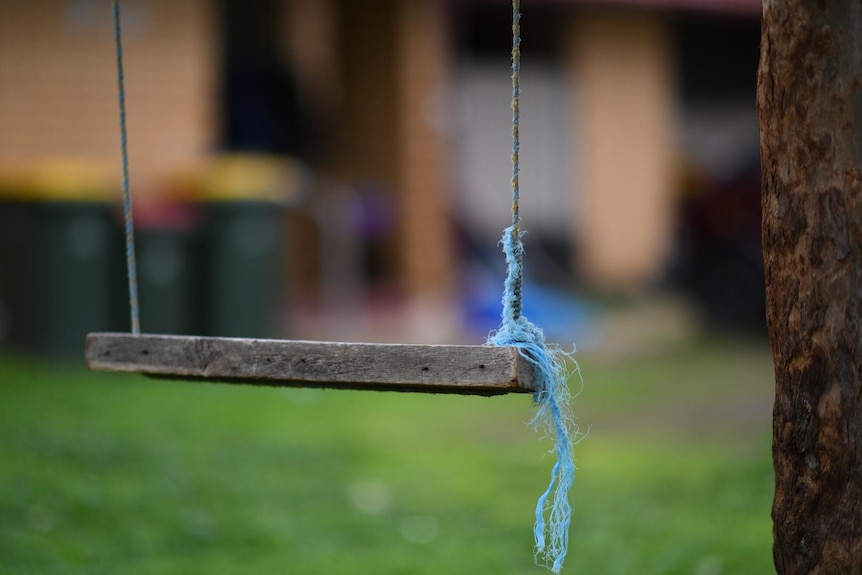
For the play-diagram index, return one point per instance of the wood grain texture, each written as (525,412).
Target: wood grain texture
(459,369)
(810,100)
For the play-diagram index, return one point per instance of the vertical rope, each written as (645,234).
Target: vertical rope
(517,285)
(131,264)
(550,364)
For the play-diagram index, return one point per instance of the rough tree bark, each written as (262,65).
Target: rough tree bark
(810,101)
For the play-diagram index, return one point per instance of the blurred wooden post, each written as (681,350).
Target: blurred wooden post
(622,65)
(422,69)
(810,100)
(311,46)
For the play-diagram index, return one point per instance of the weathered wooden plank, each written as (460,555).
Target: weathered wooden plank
(460,369)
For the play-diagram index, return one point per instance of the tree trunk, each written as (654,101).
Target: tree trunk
(810,101)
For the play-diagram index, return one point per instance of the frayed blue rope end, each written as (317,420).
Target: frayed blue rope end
(554,414)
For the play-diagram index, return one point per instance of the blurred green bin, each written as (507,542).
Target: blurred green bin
(240,253)
(59,258)
(166,243)
(243,246)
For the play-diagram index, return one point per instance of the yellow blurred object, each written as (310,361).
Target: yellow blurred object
(61,180)
(243,177)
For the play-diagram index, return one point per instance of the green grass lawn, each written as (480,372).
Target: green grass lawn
(120,474)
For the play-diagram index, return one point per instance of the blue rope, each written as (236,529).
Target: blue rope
(550,371)
(131,264)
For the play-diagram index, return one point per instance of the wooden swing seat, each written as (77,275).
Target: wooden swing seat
(456,369)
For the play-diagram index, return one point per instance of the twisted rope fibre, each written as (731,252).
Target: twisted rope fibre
(131,264)
(550,364)
(517,280)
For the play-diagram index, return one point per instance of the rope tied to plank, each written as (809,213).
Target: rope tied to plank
(131,264)
(550,363)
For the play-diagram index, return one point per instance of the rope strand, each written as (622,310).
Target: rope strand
(131,264)
(517,285)
(550,364)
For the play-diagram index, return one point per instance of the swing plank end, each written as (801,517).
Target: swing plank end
(455,369)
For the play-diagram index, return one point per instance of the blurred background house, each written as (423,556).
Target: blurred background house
(311,168)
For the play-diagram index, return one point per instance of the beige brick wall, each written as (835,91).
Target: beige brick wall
(58,94)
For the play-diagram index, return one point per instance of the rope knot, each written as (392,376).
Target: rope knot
(550,374)
(553,401)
